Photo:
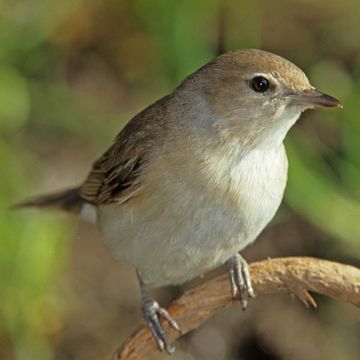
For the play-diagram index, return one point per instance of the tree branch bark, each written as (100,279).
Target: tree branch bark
(296,275)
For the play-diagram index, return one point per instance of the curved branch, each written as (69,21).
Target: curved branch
(296,275)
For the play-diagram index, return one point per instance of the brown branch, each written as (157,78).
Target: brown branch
(295,275)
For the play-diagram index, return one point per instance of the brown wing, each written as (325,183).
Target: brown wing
(115,176)
(112,180)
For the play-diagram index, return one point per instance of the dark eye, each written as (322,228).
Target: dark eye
(259,84)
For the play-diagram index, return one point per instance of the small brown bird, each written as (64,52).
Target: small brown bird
(195,177)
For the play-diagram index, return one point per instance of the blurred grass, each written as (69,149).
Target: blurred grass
(314,192)
(73,72)
(33,251)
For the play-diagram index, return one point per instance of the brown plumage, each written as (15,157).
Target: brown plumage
(195,177)
(114,177)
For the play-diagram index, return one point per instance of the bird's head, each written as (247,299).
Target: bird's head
(255,94)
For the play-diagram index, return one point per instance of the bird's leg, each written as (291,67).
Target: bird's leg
(152,314)
(240,279)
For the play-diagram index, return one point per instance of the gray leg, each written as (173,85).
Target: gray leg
(152,314)
(240,279)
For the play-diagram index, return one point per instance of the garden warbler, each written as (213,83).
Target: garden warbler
(195,177)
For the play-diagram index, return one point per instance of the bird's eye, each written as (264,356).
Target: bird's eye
(259,84)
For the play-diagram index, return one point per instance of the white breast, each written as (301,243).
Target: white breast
(194,219)
(254,184)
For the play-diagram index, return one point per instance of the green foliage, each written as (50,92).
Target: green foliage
(14,99)
(314,192)
(33,250)
(182,32)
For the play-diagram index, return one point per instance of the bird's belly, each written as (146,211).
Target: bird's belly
(172,248)
(172,239)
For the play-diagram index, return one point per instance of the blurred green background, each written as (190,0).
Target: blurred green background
(72,73)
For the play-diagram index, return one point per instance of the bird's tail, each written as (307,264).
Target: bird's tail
(68,200)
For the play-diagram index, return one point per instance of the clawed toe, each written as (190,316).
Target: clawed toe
(152,314)
(240,279)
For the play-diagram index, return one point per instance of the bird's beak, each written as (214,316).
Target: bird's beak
(313,98)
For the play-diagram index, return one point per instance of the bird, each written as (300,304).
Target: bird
(193,179)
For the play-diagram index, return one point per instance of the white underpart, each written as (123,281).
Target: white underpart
(196,219)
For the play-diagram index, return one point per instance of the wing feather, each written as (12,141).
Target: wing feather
(115,176)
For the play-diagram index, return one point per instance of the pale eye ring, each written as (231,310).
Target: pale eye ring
(259,84)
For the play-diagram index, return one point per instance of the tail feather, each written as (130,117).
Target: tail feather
(68,200)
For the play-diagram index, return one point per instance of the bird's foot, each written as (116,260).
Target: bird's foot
(240,279)
(152,314)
